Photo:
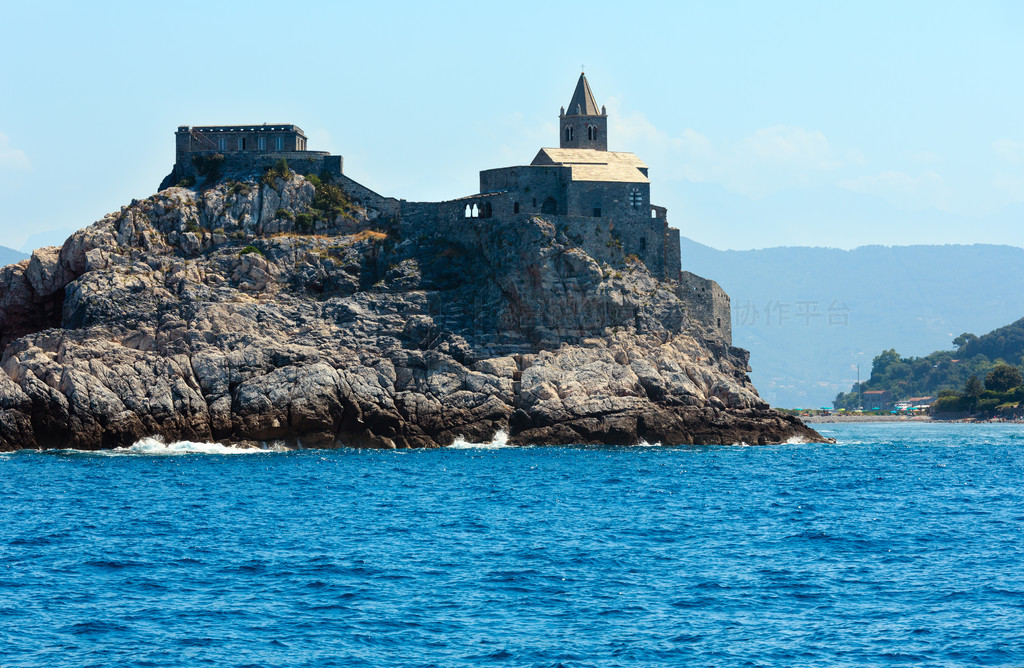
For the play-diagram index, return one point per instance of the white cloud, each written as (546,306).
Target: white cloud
(13,159)
(927,190)
(1009,150)
(766,161)
(791,146)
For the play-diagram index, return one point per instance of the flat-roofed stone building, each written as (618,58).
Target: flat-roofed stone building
(241,148)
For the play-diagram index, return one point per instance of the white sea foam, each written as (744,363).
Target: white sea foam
(500,440)
(157,446)
(645,444)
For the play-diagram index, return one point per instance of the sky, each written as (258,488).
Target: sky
(763,124)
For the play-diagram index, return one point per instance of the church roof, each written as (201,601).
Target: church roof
(583,99)
(589,164)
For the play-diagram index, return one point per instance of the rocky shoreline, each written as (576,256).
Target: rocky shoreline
(240,312)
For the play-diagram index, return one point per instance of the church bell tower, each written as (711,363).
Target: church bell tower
(583,125)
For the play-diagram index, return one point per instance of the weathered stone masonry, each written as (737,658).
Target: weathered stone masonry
(601,199)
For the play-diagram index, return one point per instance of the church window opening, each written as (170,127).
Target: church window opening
(568,133)
(636,198)
(515,207)
(469,212)
(476,211)
(592,132)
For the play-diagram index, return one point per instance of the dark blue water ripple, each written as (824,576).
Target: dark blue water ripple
(900,545)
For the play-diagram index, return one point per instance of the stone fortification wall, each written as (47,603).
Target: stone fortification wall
(673,254)
(707,303)
(303,162)
(388,206)
(605,239)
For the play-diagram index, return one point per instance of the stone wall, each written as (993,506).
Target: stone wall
(707,303)
(303,162)
(529,187)
(388,206)
(673,255)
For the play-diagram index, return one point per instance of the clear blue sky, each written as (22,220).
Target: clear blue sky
(764,124)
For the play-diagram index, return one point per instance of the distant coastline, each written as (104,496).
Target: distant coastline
(824,419)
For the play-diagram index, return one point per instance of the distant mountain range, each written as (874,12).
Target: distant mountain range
(810,315)
(9,256)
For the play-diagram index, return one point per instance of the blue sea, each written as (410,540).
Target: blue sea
(900,545)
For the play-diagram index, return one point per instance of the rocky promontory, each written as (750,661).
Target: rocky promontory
(272,307)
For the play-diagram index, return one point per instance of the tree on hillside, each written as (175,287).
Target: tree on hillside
(1002,378)
(964,339)
(972,391)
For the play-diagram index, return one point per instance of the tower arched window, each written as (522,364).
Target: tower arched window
(568,133)
(592,132)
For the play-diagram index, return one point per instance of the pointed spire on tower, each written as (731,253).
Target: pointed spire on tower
(583,102)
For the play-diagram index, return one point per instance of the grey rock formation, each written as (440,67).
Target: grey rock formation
(239,313)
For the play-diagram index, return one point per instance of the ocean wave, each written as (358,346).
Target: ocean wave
(156,446)
(500,440)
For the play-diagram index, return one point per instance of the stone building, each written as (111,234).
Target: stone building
(242,148)
(599,198)
(583,179)
(237,139)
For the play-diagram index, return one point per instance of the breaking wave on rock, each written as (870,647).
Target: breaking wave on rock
(156,446)
(500,440)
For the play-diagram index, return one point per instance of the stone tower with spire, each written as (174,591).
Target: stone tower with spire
(582,124)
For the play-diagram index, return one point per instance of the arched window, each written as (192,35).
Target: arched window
(592,132)
(488,212)
(550,205)
(469,212)
(568,133)
(476,211)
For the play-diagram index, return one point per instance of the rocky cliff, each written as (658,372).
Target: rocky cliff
(273,308)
